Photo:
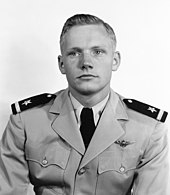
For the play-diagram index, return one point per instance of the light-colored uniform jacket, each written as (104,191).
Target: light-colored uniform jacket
(43,145)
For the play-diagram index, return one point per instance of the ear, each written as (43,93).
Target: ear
(61,64)
(116,61)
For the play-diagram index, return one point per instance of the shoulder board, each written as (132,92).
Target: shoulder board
(146,109)
(31,102)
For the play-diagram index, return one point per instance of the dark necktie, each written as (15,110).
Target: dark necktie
(87,127)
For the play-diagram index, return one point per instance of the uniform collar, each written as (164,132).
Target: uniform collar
(97,109)
(107,132)
(115,100)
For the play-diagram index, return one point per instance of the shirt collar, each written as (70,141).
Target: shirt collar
(97,109)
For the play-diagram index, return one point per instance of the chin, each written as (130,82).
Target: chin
(87,91)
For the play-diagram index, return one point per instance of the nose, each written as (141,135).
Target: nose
(86,62)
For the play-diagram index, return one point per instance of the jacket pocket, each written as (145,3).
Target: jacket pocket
(52,154)
(47,164)
(119,161)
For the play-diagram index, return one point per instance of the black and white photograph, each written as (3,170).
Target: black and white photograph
(84,97)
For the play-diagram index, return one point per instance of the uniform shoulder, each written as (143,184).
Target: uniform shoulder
(31,102)
(146,109)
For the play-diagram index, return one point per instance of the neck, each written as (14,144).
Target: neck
(90,100)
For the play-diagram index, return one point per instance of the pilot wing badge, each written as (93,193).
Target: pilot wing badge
(31,102)
(146,109)
(124,143)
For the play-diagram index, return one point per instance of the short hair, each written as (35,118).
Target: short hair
(85,19)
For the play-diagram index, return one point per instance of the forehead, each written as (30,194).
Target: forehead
(86,36)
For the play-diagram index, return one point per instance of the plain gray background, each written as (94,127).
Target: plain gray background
(29,46)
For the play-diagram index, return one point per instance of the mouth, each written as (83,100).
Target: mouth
(86,76)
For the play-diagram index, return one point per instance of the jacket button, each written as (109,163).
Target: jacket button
(81,171)
(122,169)
(44,162)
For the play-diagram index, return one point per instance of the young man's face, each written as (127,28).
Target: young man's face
(88,59)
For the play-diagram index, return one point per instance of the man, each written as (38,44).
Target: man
(62,146)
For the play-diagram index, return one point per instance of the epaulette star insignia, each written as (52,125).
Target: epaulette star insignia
(31,102)
(146,109)
(152,109)
(27,102)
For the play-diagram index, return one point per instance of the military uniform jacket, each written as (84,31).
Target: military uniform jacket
(43,145)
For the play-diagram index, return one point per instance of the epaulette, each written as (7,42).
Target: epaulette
(146,109)
(31,102)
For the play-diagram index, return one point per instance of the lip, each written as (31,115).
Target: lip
(86,76)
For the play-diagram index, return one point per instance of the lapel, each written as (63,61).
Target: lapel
(107,132)
(108,129)
(65,123)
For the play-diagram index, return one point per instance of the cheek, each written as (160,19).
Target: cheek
(71,66)
(71,73)
(105,68)
(68,64)
(106,73)
(71,61)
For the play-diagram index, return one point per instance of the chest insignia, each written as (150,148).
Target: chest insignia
(123,143)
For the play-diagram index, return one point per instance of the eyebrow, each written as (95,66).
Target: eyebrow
(99,47)
(79,49)
(75,49)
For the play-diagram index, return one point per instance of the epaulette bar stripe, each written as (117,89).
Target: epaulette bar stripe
(31,102)
(146,109)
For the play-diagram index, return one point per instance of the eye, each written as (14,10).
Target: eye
(73,54)
(98,52)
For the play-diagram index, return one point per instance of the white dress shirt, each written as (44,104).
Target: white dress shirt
(97,109)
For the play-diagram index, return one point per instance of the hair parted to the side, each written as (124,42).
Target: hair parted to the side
(85,19)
